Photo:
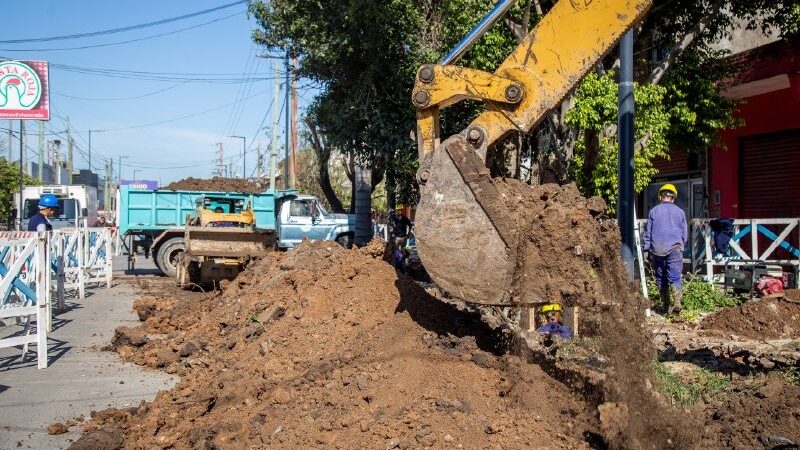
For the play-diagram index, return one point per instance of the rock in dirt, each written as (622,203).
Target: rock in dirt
(57,428)
(126,336)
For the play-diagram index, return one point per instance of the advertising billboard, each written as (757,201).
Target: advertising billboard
(24,90)
(140,184)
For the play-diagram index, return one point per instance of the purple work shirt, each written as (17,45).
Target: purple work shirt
(665,229)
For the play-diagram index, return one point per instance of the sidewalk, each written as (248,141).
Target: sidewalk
(80,378)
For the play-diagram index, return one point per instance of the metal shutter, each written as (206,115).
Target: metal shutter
(769,183)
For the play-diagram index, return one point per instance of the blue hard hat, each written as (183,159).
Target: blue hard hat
(48,201)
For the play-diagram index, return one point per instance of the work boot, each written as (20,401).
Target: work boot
(664,295)
(677,293)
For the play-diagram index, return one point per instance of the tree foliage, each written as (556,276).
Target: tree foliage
(9,184)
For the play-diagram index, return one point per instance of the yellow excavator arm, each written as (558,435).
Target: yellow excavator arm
(466,237)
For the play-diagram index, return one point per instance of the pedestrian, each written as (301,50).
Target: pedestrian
(48,204)
(664,238)
(101,222)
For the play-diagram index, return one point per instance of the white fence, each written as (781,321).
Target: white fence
(25,290)
(774,241)
(38,267)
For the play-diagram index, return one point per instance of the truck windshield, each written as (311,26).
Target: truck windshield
(68,209)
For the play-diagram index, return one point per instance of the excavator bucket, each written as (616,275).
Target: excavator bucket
(466,223)
(228,242)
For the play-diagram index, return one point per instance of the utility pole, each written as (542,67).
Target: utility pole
(69,154)
(23,157)
(90,150)
(626,199)
(21,177)
(273,143)
(294,115)
(10,139)
(244,155)
(289,173)
(119,168)
(41,151)
(220,170)
(107,189)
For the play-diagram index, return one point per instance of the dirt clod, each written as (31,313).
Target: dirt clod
(57,428)
(769,318)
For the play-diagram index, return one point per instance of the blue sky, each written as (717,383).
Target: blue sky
(144,119)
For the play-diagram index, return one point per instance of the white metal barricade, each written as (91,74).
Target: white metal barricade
(67,261)
(98,254)
(24,289)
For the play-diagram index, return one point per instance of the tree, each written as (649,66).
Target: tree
(9,184)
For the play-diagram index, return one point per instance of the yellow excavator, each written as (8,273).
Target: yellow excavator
(458,211)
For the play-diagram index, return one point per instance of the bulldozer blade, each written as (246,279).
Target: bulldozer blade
(228,242)
(461,248)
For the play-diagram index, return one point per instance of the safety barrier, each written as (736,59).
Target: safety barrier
(98,254)
(750,234)
(773,241)
(66,255)
(25,290)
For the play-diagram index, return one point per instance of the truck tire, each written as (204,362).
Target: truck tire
(168,256)
(345,241)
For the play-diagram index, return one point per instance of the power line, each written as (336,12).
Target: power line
(120,30)
(84,47)
(119,98)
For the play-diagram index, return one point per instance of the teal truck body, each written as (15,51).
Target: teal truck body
(154,220)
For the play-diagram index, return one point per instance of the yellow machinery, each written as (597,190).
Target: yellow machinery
(218,245)
(458,210)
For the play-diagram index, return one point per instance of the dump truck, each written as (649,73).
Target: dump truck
(154,221)
(459,209)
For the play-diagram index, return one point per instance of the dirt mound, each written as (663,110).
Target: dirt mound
(767,418)
(327,347)
(771,318)
(216,184)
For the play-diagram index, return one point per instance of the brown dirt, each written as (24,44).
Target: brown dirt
(771,318)
(747,420)
(216,184)
(325,347)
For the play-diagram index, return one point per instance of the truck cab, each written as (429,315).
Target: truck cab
(303,217)
(77,205)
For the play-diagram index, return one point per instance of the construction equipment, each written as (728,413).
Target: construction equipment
(756,278)
(459,210)
(220,244)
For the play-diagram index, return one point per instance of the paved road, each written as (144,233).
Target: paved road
(80,378)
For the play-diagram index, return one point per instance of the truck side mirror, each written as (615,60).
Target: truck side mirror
(84,212)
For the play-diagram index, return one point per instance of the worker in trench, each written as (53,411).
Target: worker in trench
(554,325)
(664,238)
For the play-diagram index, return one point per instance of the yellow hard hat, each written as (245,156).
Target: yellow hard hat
(670,188)
(550,307)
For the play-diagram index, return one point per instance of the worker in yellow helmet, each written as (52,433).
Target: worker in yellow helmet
(665,235)
(554,327)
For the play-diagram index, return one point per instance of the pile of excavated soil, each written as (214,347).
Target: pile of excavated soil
(219,184)
(769,318)
(766,418)
(327,348)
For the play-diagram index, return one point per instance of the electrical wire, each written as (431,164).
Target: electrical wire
(84,47)
(123,29)
(118,98)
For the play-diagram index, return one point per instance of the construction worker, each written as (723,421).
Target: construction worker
(664,238)
(101,222)
(48,204)
(554,327)
(401,227)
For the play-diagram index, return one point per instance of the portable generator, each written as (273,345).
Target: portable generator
(755,277)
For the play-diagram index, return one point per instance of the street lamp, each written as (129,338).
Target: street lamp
(244,154)
(134,177)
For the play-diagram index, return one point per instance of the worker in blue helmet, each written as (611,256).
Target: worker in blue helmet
(48,204)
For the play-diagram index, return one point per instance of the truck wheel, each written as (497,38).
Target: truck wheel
(345,241)
(168,256)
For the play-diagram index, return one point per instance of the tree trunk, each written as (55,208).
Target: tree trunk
(324,176)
